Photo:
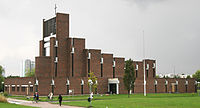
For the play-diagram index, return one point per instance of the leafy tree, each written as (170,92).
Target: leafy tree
(197,75)
(30,73)
(94,81)
(188,76)
(157,76)
(1,77)
(129,76)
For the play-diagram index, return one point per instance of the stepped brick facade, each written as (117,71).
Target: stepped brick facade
(66,69)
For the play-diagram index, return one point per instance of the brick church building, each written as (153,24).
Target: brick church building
(64,64)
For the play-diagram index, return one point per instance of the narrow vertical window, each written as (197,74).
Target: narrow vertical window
(101,66)
(55,69)
(44,52)
(56,51)
(89,56)
(72,64)
(88,67)
(81,89)
(154,72)
(136,72)
(67,89)
(114,68)
(101,70)
(113,72)
(155,88)
(165,88)
(72,52)
(186,88)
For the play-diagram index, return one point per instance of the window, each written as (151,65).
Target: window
(31,89)
(13,88)
(136,72)
(155,88)
(17,88)
(186,88)
(165,88)
(101,70)
(56,51)
(55,69)
(81,89)
(72,64)
(113,72)
(88,67)
(6,88)
(23,89)
(67,89)
(154,73)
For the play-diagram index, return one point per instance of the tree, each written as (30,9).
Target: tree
(188,76)
(1,77)
(94,81)
(30,73)
(129,76)
(197,75)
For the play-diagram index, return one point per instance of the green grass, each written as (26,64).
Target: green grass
(139,101)
(8,105)
(186,100)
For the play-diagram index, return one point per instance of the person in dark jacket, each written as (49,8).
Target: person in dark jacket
(60,99)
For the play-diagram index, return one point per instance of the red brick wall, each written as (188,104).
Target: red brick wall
(107,65)
(42,67)
(62,32)
(19,81)
(79,55)
(95,65)
(119,67)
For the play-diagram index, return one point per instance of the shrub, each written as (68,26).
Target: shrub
(5,94)
(3,99)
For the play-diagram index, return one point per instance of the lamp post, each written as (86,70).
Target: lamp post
(36,85)
(90,84)
(52,85)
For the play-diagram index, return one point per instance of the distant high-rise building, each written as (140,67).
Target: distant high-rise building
(27,66)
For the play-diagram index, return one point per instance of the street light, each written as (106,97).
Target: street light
(90,84)
(36,85)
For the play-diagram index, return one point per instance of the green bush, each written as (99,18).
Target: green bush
(5,94)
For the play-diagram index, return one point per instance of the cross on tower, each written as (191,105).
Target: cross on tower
(55,9)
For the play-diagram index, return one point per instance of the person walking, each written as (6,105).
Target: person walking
(60,99)
(37,97)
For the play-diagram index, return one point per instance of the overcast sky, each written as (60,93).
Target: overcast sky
(171,30)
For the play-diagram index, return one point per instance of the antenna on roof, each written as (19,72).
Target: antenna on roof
(55,9)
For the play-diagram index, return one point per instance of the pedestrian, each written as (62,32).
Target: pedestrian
(37,97)
(60,99)
(34,97)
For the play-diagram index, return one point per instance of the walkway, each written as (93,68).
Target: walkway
(39,104)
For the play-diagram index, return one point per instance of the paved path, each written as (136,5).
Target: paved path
(39,104)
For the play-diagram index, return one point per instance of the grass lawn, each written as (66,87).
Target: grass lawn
(139,101)
(8,105)
(186,100)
